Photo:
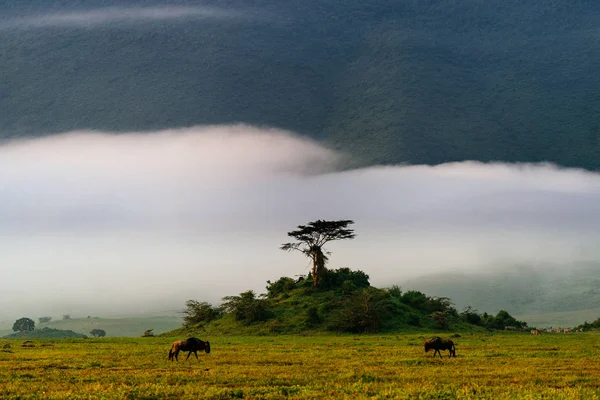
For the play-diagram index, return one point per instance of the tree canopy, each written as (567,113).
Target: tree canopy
(311,238)
(98,332)
(23,325)
(198,312)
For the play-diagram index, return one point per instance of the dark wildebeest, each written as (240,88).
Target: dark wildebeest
(437,343)
(191,345)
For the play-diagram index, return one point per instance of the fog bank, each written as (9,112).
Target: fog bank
(98,223)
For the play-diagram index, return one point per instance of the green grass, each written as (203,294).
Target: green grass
(494,366)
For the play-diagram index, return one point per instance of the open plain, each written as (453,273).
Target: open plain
(493,366)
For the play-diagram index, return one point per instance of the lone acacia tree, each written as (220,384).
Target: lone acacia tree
(311,238)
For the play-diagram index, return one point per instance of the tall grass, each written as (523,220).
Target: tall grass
(494,366)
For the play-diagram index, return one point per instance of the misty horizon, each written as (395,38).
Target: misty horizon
(94,222)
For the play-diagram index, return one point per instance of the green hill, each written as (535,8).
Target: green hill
(344,302)
(114,327)
(390,81)
(45,333)
(117,327)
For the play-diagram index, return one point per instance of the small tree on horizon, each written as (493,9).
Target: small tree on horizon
(23,325)
(312,237)
(98,332)
(44,320)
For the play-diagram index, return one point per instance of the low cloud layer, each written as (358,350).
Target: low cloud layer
(96,223)
(117,15)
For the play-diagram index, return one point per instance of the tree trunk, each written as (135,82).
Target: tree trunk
(318,269)
(314,273)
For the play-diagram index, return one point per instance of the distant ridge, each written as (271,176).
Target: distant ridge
(567,294)
(388,81)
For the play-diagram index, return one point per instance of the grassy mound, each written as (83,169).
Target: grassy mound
(344,302)
(46,333)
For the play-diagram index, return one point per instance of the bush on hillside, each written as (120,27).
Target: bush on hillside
(281,285)
(501,321)
(440,319)
(312,317)
(471,316)
(429,305)
(199,312)
(395,291)
(247,307)
(362,312)
(344,279)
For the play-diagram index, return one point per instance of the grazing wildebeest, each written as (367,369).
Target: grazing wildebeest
(191,345)
(6,346)
(437,343)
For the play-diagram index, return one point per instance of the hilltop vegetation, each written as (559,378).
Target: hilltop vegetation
(387,81)
(344,302)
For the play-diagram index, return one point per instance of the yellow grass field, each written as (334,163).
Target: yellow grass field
(494,366)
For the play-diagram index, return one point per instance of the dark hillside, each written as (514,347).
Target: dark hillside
(45,333)
(389,81)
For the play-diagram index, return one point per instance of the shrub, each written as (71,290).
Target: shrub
(413,319)
(363,312)
(281,285)
(440,319)
(199,312)
(471,316)
(312,317)
(344,278)
(415,299)
(395,292)
(247,308)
